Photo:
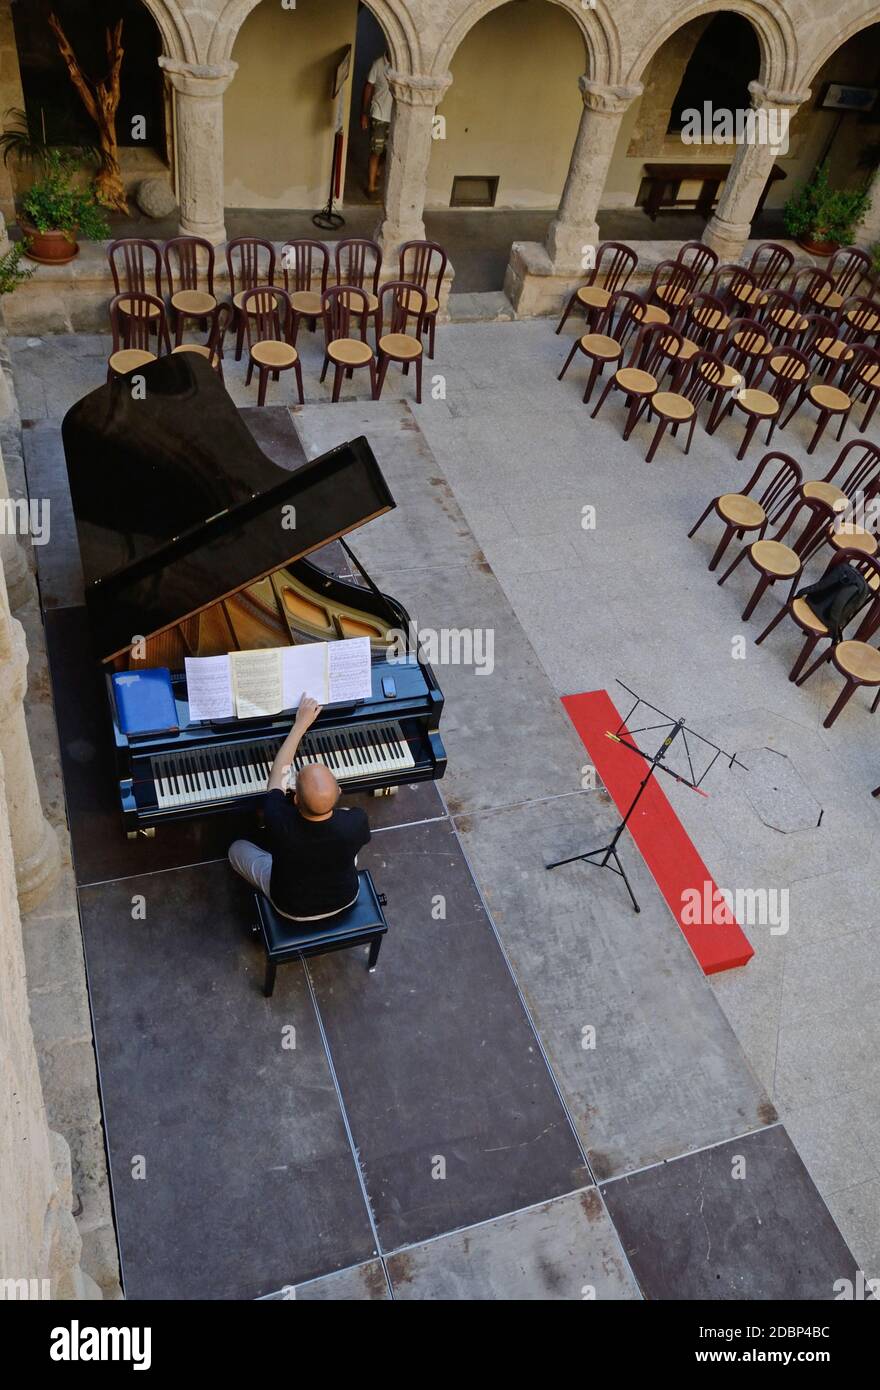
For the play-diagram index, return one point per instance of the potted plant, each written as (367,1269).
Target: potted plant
(56,209)
(821,218)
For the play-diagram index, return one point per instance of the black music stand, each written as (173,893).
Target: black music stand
(677,728)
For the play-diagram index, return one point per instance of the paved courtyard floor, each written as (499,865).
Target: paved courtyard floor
(492,475)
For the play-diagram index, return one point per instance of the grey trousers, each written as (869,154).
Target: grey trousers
(255,867)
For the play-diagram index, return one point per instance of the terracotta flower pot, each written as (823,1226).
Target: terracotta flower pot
(49,248)
(818,248)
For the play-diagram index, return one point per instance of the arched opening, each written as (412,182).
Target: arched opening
(504,138)
(840,125)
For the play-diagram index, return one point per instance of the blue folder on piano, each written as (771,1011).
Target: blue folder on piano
(145,701)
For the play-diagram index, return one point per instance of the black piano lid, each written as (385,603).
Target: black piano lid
(177,507)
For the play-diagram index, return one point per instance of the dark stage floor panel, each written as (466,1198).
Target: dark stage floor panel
(740,1220)
(249,1183)
(452,1108)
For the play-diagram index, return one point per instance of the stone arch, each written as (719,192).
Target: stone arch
(178,40)
(855,25)
(773,30)
(391,15)
(596,26)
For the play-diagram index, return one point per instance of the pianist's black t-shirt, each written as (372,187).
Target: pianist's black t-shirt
(313,868)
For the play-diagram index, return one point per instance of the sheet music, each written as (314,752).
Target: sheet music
(305,671)
(209,687)
(350,676)
(257,682)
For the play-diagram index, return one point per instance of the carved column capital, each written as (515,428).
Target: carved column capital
(198,79)
(608,101)
(770,96)
(415,89)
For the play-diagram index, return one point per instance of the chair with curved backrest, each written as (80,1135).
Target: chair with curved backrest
(782,316)
(615,263)
(134,316)
(774,559)
(859,464)
(656,345)
(811,287)
(789,369)
(736,287)
(399,301)
(822,343)
(681,405)
(859,318)
(423,263)
(704,320)
(672,285)
(191,294)
(741,512)
(814,628)
(769,263)
(700,260)
(268,325)
(746,345)
(359,263)
(859,378)
(342,304)
(302,260)
(250,262)
(851,270)
(135,264)
(211,349)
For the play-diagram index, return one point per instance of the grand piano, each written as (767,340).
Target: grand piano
(195,543)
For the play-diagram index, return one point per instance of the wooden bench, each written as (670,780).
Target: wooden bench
(665,180)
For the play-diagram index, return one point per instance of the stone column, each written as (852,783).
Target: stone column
(12,556)
(198,93)
(729,227)
(575,225)
(868,233)
(34,843)
(409,151)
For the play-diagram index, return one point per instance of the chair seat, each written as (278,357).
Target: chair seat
(796,371)
(372,302)
(828,493)
(864,318)
(829,398)
(832,300)
(789,318)
(270,353)
(127,359)
(593,296)
(150,310)
(671,404)
(400,345)
(285,939)
(687,349)
(307,302)
(740,510)
(670,295)
(600,345)
(806,617)
(193,302)
(634,379)
(757,402)
(652,313)
(754,343)
(729,378)
(263,305)
(860,660)
(707,317)
(853,537)
(410,302)
(747,295)
(833,348)
(775,558)
(349,351)
(198,348)
(870,374)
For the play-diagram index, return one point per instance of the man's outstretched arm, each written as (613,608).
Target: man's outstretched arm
(306,715)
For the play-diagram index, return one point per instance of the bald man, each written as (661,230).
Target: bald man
(309,871)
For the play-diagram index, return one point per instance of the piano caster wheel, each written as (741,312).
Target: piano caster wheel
(148,832)
(384,791)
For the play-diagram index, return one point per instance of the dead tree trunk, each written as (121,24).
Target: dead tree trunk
(101,100)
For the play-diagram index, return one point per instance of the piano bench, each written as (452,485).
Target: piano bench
(362,924)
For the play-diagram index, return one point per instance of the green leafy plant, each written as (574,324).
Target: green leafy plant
(22,142)
(12,272)
(818,212)
(54,203)
(874,253)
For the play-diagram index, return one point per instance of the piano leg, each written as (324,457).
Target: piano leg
(269,983)
(375,946)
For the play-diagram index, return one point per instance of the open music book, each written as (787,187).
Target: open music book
(250,684)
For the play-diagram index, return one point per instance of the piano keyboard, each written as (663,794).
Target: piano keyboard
(193,776)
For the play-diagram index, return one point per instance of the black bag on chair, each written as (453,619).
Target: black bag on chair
(837,597)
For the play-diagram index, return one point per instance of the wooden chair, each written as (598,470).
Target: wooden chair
(814,628)
(704,320)
(359,263)
(699,259)
(742,512)
(789,368)
(782,316)
(212,349)
(811,287)
(773,559)
(681,406)
(672,286)
(859,464)
(423,263)
(136,265)
(736,287)
(859,318)
(250,262)
(134,316)
(656,346)
(746,345)
(853,275)
(268,325)
(398,301)
(822,342)
(301,261)
(769,264)
(615,263)
(191,295)
(342,303)
(837,401)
